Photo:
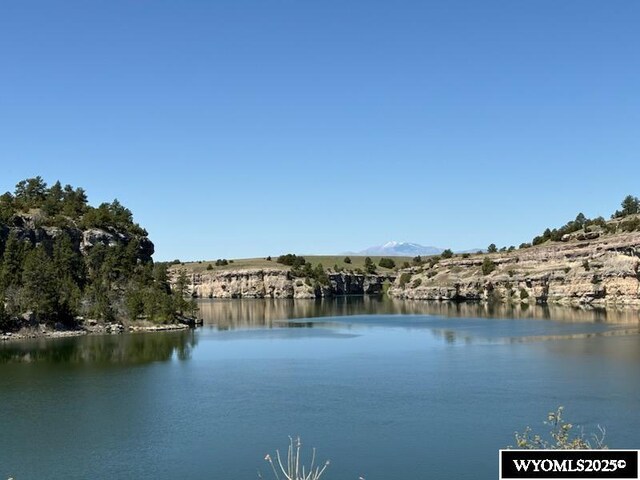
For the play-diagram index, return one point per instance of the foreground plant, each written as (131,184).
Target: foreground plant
(562,436)
(295,468)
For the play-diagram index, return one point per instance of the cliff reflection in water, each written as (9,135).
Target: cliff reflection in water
(125,349)
(222,314)
(225,314)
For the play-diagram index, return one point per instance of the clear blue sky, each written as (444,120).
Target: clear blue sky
(246,128)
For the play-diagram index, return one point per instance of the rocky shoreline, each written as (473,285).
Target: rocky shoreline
(42,331)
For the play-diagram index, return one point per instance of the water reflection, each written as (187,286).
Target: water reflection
(126,349)
(523,334)
(249,313)
(237,314)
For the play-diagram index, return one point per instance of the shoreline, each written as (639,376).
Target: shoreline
(629,315)
(106,329)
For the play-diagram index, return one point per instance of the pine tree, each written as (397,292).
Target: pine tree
(7,207)
(52,205)
(39,292)
(31,193)
(630,205)
(181,291)
(11,271)
(369,266)
(68,262)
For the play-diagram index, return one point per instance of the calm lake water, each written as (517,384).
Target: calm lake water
(384,389)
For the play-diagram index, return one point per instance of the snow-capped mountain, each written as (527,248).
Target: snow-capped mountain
(400,249)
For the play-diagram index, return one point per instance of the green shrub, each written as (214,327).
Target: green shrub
(523,294)
(291,260)
(369,266)
(404,279)
(448,253)
(320,275)
(209,267)
(538,240)
(347,260)
(416,283)
(611,228)
(386,263)
(492,248)
(488,266)
(630,225)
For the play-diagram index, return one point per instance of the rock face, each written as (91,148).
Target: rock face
(279,283)
(580,270)
(27,228)
(354,284)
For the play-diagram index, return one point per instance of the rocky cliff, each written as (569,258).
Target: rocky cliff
(64,273)
(583,269)
(280,283)
(30,228)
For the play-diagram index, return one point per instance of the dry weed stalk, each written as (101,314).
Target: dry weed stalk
(294,468)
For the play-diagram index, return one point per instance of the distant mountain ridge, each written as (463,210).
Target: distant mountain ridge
(400,249)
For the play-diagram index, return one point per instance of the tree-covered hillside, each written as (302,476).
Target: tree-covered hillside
(62,259)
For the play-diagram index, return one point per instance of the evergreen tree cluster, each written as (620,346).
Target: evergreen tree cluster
(48,276)
(63,207)
(291,260)
(580,223)
(626,216)
(630,206)
(301,268)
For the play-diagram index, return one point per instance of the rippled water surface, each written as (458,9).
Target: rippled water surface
(385,389)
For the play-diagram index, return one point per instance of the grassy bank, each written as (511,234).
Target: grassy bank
(327,261)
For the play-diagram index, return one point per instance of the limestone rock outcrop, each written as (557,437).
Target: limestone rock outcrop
(279,283)
(599,271)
